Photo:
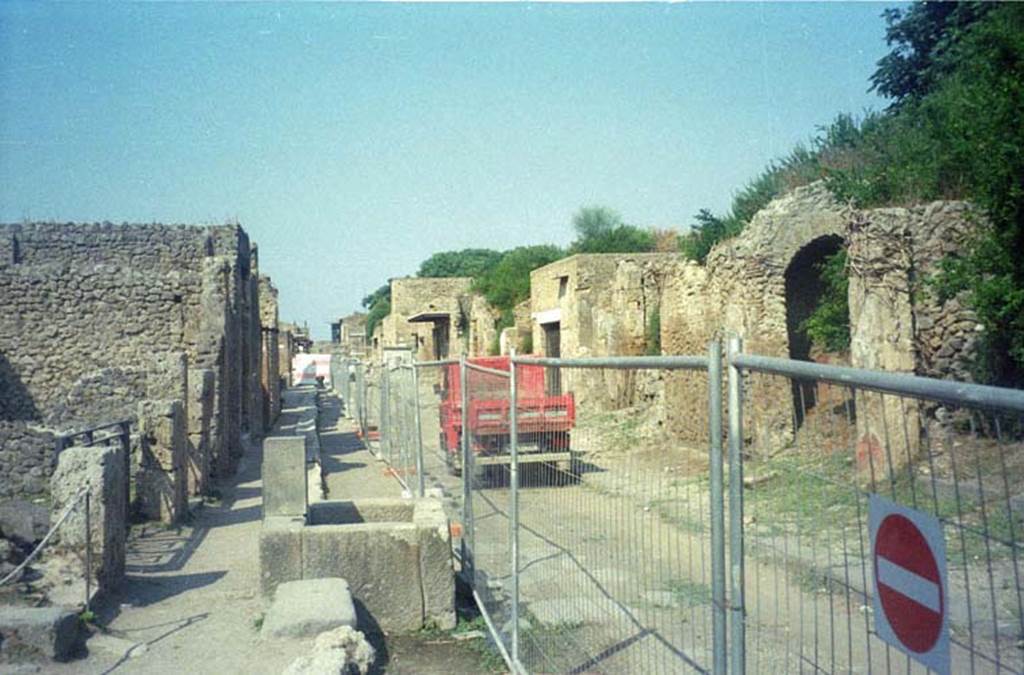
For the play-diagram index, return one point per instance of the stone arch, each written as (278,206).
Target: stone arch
(804,289)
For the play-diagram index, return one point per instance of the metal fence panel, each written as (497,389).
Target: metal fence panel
(614,524)
(813,451)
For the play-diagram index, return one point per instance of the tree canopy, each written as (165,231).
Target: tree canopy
(508,283)
(469,262)
(600,229)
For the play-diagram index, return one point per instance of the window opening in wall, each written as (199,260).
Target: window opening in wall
(563,286)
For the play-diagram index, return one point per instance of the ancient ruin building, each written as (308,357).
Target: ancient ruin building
(426,316)
(352,334)
(762,284)
(600,304)
(157,324)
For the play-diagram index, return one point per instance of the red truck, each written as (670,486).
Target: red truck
(544,419)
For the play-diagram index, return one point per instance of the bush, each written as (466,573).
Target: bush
(828,326)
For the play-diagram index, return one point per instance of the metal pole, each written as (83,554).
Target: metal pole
(513,418)
(737,663)
(718,637)
(467,476)
(88,548)
(385,412)
(419,430)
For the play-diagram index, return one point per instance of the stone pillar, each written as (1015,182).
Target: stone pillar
(200,420)
(882,338)
(161,482)
(100,470)
(284,476)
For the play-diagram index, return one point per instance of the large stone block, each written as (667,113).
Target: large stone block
(280,552)
(306,608)
(284,476)
(27,633)
(436,575)
(381,563)
(100,471)
(163,424)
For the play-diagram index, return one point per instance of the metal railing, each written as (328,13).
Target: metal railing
(601,532)
(813,586)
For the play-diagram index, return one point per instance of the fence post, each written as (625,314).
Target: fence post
(718,636)
(467,476)
(420,479)
(737,633)
(384,444)
(513,418)
(88,547)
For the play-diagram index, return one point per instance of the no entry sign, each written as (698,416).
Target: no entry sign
(910,600)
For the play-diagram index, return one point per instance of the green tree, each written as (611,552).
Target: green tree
(378,305)
(508,283)
(469,262)
(828,326)
(601,230)
(924,40)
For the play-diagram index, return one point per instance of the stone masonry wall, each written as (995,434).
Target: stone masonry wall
(90,311)
(414,295)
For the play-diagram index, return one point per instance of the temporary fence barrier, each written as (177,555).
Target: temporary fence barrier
(594,510)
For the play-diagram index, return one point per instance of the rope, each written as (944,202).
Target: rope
(64,516)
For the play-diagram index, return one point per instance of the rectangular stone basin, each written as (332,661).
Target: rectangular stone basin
(394,553)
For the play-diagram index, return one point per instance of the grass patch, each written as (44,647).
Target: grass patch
(688,593)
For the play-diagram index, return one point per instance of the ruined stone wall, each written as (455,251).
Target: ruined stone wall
(414,295)
(741,291)
(602,303)
(482,320)
(269,352)
(898,323)
(90,311)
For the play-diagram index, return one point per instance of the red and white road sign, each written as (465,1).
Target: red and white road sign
(909,557)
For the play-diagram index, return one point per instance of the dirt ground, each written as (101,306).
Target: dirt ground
(191,601)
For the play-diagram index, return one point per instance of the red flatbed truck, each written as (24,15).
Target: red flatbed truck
(544,420)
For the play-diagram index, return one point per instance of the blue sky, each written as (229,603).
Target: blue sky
(354,140)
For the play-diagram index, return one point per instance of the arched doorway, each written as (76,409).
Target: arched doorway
(804,290)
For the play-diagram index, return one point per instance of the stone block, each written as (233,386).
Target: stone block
(27,633)
(381,563)
(200,424)
(162,423)
(161,495)
(100,470)
(284,476)
(280,552)
(306,608)
(436,569)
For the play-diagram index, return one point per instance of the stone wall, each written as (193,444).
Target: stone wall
(437,302)
(761,284)
(481,320)
(269,352)
(742,291)
(92,313)
(602,304)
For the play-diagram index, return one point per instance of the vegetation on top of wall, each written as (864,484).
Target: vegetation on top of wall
(828,326)
(602,230)
(378,306)
(954,130)
(469,262)
(508,283)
